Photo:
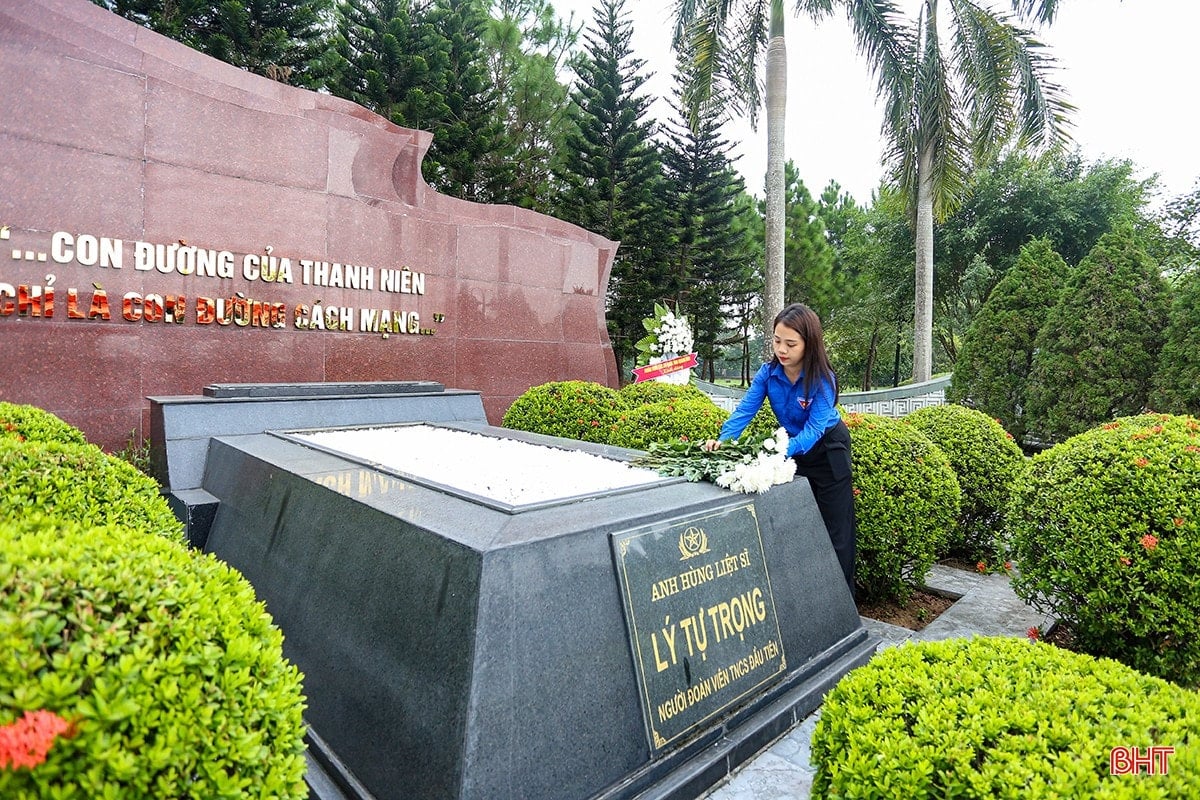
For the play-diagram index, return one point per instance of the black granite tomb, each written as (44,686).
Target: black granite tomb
(455,647)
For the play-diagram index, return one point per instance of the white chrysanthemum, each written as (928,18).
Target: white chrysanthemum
(756,474)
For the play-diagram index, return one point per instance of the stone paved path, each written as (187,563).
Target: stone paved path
(988,607)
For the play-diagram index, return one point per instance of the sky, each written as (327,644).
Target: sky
(1125,64)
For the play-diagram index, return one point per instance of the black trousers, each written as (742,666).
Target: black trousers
(827,467)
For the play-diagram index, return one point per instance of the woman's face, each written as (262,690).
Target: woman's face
(789,347)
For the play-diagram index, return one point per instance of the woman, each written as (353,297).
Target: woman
(803,392)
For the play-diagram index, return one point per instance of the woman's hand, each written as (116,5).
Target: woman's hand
(711,444)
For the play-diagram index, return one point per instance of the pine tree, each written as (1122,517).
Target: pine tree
(1096,353)
(710,258)
(526,46)
(1177,377)
(611,174)
(391,60)
(996,355)
(808,258)
(283,40)
(470,155)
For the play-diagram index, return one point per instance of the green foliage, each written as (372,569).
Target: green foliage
(687,419)
(636,394)
(391,59)
(611,176)
(471,154)
(712,262)
(136,453)
(526,46)
(690,460)
(282,40)
(25,423)
(1176,388)
(1000,718)
(169,670)
(1105,528)
(986,461)
(906,499)
(81,483)
(763,425)
(570,409)
(1095,355)
(993,365)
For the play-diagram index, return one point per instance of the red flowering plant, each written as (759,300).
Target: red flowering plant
(1106,527)
(26,742)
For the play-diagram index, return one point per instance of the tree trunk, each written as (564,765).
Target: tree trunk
(871,352)
(776,100)
(923,303)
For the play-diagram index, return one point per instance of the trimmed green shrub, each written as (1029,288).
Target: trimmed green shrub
(1105,529)
(639,394)
(906,500)
(989,718)
(686,419)
(762,426)
(992,369)
(985,460)
(571,409)
(1096,353)
(1176,385)
(83,484)
(169,670)
(31,424)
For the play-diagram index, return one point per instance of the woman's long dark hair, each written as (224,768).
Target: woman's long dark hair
(804,321)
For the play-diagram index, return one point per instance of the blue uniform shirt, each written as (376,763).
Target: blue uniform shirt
(806,419)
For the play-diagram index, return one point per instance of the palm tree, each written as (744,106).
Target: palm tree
(961,91)
(726,40)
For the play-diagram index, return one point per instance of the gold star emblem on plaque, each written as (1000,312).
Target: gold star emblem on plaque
(692,542)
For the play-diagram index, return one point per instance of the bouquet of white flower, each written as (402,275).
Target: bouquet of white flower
(741,466)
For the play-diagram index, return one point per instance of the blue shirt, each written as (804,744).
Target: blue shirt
(806,418)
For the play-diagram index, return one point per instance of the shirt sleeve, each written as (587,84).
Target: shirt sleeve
(822,416)
(749,405)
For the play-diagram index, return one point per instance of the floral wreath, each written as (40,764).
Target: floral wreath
(669,335)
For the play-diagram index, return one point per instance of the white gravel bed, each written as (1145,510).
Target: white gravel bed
(504,470)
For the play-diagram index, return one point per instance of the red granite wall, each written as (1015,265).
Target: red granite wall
(164,218)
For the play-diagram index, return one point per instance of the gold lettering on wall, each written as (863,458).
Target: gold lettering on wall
(224,309)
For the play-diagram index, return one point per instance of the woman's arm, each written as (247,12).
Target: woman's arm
(750,403)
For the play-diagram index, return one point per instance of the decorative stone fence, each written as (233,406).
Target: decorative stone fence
(895,402)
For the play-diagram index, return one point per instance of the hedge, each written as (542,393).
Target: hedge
(986,461)
(1105,530)
(81,483)
(906,500)
(1000,718)
(168,672)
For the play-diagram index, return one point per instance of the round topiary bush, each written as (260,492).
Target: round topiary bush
(570,409)
(906,501)
(167,671)
(1000,717)
(31,424)
(686,419)
(81,483)
(639,394)
(986,461)
(1105,529)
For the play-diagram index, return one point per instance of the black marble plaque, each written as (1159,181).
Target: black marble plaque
(701,617)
